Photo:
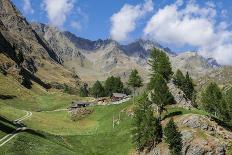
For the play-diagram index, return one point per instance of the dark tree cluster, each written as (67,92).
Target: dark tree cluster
(111,85)
(147,130)
(185,83)
(173,138)
(217,102)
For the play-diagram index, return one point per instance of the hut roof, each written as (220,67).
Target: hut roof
(119,95)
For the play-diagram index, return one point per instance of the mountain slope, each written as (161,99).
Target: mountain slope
(26,55)
(101,58)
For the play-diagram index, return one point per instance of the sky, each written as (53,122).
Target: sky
(182,25)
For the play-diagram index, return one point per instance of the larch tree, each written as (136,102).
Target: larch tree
(160,64)
(159,93)
(173,138)
(134,81)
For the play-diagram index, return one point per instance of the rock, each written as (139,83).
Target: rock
(194,150)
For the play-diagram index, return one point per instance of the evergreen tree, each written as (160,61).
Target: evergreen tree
(179,79)
(188,87)
(211,98)
(97,90)
(113,85)
(135,81)
(84,92)
(160,94)
(173,138)
(160,64)
(146,128)
(228,100)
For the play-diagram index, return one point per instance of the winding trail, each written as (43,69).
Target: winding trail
(18,121)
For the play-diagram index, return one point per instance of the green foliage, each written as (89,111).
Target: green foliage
(135,81)
(160,64)
(113,85)
(226,106)
(188,87)
(84,92)
(211,98)
(67,89)
(97,90)
(160,94)
(146,128)
(179,78)
(173,138)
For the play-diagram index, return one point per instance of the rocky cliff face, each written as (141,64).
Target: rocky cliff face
(26,50)
(200,136)
(102,58)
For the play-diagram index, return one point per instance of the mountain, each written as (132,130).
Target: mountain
(101,58)
(25,55)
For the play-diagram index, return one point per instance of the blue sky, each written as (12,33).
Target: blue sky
(128,20)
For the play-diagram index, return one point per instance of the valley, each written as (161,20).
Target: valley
(44,70)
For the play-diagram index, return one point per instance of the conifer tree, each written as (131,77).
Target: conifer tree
(160,94)
(135,81)
(179,79)
(211,98)
(97,90)
(188,87)
(173,138)
(160,64)
(84,92)
(146,129)
(113,85)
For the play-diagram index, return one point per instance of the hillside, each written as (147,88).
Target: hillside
(102,58)
(26,56)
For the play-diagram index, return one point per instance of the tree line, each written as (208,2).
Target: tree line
(106,88)
(147,129)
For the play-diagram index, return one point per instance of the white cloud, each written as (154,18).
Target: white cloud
(194,26)
(58,10)
(27,8)
(124,21)
(76,25)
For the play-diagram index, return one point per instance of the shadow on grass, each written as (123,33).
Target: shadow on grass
(171,114)
(7,97)
(33,132)
(6,128)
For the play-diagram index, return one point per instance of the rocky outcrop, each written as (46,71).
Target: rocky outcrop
(178,95)
(200,136)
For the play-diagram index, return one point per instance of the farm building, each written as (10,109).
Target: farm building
(118,96)
(79,104)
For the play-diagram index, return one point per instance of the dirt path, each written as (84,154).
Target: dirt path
(18,121)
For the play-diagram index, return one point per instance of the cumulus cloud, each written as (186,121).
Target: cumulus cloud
(58,10)
(76,25)
(27,8)
(124,21)
(192,25)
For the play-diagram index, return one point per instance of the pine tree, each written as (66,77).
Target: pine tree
(135,81)
(97,90)
(113,85)
(160,64)
(188,87)
(179,79)
(146,129)
(228,99)
(160,94)
(211,98)
(84,92)
(173,138)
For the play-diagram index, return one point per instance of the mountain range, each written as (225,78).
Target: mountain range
(101,58)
